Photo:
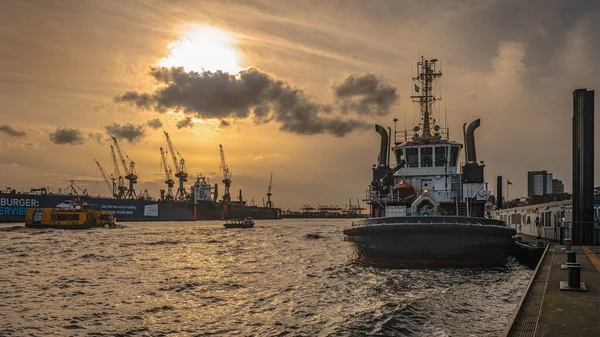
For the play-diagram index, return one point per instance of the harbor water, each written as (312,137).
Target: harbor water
(293,277)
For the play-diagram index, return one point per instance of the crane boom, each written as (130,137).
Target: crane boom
(226,176)
(224,168)
(105,177)
(172,150)
(180,171)
(121,156)
(269,194)
(270,182)
(115,162)
(121,183)
(168,171)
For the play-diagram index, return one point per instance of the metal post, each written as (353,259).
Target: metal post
(574,275)
(571,256)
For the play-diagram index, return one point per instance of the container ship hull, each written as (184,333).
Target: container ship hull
(14,206)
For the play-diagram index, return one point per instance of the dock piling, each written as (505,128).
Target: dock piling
(571,256)
(574,274)
(573,283)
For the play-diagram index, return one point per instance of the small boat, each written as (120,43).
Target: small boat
(78,216)
(239,223)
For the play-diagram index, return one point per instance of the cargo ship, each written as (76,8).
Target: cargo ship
(198,206)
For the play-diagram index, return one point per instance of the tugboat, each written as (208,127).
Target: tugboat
(425,212)
(72,215)
(247,222)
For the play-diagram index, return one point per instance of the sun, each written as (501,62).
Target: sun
(204,48)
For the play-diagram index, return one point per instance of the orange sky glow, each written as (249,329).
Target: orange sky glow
(289,87)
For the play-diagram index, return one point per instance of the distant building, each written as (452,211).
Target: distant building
(557,186)
(539,183)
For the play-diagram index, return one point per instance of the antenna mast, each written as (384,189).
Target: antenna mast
(426,74)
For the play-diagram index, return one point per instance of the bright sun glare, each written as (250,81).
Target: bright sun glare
(204,48)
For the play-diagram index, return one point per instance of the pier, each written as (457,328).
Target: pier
(547,308)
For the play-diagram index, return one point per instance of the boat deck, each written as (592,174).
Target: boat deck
(547,311)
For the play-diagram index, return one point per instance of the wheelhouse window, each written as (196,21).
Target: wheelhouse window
(426,157)
(65,217)
(399,155)
(440,155)
(454,156)
(412,157)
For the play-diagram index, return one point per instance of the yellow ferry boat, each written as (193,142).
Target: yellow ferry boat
(78,216)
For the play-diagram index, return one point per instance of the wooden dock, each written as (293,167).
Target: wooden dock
(547,311)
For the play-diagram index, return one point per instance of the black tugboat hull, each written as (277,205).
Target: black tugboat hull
(431,242)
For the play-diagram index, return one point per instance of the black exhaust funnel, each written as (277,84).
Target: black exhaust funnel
(383,150)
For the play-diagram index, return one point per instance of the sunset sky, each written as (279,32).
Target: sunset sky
(315,76)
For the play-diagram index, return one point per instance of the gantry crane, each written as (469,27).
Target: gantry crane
(180,170)
(122,189)
(269,194)
(226,176)
(130,173)
(112,187)
(168,175)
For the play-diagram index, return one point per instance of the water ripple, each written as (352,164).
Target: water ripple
(281,278)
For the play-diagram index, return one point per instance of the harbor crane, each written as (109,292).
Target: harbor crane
(122,189)
(111,187)
(180,170)
(130,173)
(269,194)
(168,175)
(226,176)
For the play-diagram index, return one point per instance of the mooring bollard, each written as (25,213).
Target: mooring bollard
(567,244)
(571,256)
(574,274)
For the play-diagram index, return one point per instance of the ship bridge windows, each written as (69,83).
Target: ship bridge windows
(454,155)
(412,157)
(441,155)
(429,156)
(426,156)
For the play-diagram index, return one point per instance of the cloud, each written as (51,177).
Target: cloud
(129,131)
(63,136)
(154,123)
(96,136)
(186,122)
(366,94)
(254,94)
(224,123)
(9,130)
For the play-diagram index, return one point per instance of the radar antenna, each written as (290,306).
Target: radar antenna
(426,74)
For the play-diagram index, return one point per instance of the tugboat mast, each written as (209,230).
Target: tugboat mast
(426,74)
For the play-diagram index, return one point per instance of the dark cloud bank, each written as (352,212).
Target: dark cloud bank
(257,95)
(186,122)
(68,136)
(130,132)
(64,136)
(154,123)
(9,130)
